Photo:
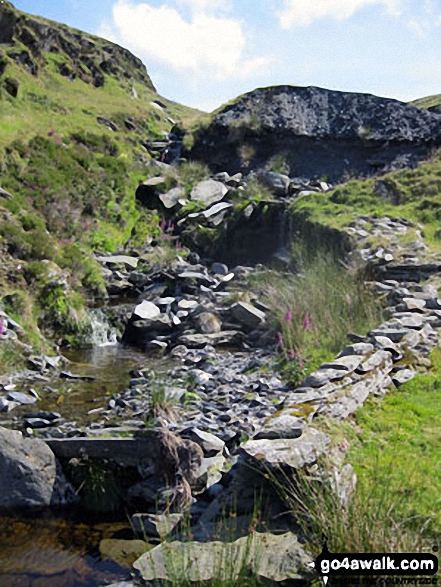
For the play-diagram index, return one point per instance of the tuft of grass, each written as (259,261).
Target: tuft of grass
(367,521)
(316,309)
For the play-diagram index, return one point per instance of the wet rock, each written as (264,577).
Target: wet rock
(75,377)
(30,476)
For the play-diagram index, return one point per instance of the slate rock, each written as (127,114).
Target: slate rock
(247,314)
(208,323)
(172,197)
(271,557)
(30,476)
(209,192)
(155,525)
(294,453)
(21,398)
(146,311)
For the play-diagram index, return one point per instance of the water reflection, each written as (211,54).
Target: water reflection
(55,552)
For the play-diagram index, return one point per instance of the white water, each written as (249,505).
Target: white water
(103,334)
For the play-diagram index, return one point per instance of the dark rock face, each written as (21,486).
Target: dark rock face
(30,475)
(7,23)
(88,58)
(318,133)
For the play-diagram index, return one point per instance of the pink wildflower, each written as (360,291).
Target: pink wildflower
(288,316)
(2,325)
(51,132)
(163,223)
(292,355)
(307,322)
(280,341)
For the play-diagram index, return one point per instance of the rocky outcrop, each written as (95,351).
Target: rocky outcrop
(80,55)
(317,132)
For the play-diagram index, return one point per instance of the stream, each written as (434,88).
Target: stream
(69,548)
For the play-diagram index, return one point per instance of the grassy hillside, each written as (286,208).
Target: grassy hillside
(75,111)
(430,102)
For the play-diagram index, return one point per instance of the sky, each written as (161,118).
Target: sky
(203,53)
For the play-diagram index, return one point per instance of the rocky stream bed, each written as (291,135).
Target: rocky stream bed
(226,418)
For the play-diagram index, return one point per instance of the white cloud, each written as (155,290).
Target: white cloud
(205,44)
(206,5)
(304,12)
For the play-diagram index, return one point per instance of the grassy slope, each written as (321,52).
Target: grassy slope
(72,180)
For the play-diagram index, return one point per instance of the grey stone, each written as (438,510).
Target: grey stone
(21,398)
(385,343)
(130,262)
(276,182)
(146,310)
(376,360)
(155,525)
(247,314)
(29,476)
(270,557)
(216,339)
(282,425)
(210,444)
(359,348)
(208,323)
(219,269)
(172,197)
(291,452)
(403,376)
(348,363)
(209,192)
(216,209)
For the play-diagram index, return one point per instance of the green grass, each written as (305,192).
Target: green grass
(393,445)
(420,201)
(315,310)
(399,448)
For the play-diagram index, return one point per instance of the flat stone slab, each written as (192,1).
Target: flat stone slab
(209,192)
(403,376)
(131,262)
(172,197)
(146,310)
(217,338)
(290,452)
(128,451)
(271,557)
(347,363)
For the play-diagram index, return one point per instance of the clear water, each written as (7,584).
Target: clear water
(54,550)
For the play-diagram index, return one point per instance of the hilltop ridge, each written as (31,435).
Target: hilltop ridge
(318,132)
(79,55)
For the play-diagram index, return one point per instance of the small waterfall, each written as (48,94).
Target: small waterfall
(102,334)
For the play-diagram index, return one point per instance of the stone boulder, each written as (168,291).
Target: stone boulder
(30,475)
(276,182)
(270,557)
(209,192)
